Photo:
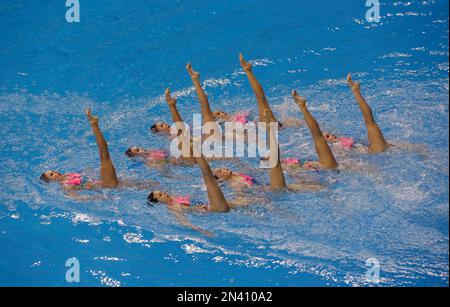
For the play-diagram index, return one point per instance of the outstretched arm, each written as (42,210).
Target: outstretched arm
(377,143)
(186,223)
(216,198)
(326,157)
(145,184)
(276,175)
(202,98)
(107,171)
(258,90)
(76,196)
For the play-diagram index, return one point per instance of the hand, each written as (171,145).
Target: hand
(355,86)
(301,101)
(170,101)
(194,75)
(91,118)
(245,65)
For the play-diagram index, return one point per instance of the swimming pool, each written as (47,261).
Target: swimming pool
(121,57)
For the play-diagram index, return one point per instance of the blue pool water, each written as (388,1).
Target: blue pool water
(119,59)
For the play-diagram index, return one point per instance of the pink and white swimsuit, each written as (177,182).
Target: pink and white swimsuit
(241,118)
(290,161)
(73,179)
(346,142)
(248,180)
(157,154)
(185,201)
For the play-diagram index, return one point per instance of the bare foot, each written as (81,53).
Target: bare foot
(194,75)
(301,101)
(245,65)
(91,118)
(170,100)
(355,86)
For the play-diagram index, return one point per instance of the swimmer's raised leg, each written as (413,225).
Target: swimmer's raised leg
(377,143)
(326,158)
(263,105)
(216,198)
(276,175)
(176,117)
(172,103)
(202,98)
(107,171)
(178,120)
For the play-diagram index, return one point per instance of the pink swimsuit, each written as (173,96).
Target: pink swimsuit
(346,142)
(157,154)
(291,161)
(250,181)
(73,179)
(180,200)
(185,200)
(242,118)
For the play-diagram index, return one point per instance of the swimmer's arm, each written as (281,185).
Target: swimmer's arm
(242,199)
(239,202)
(182,161)
(186,223)
(76,196)
(154,164)
(167,172)
(419,148)
(139,184)
(291,122)
(306,187)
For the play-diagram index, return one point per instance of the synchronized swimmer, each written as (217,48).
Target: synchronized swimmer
(74,182)
(238,181)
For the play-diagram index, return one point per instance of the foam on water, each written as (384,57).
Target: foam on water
(378,213)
